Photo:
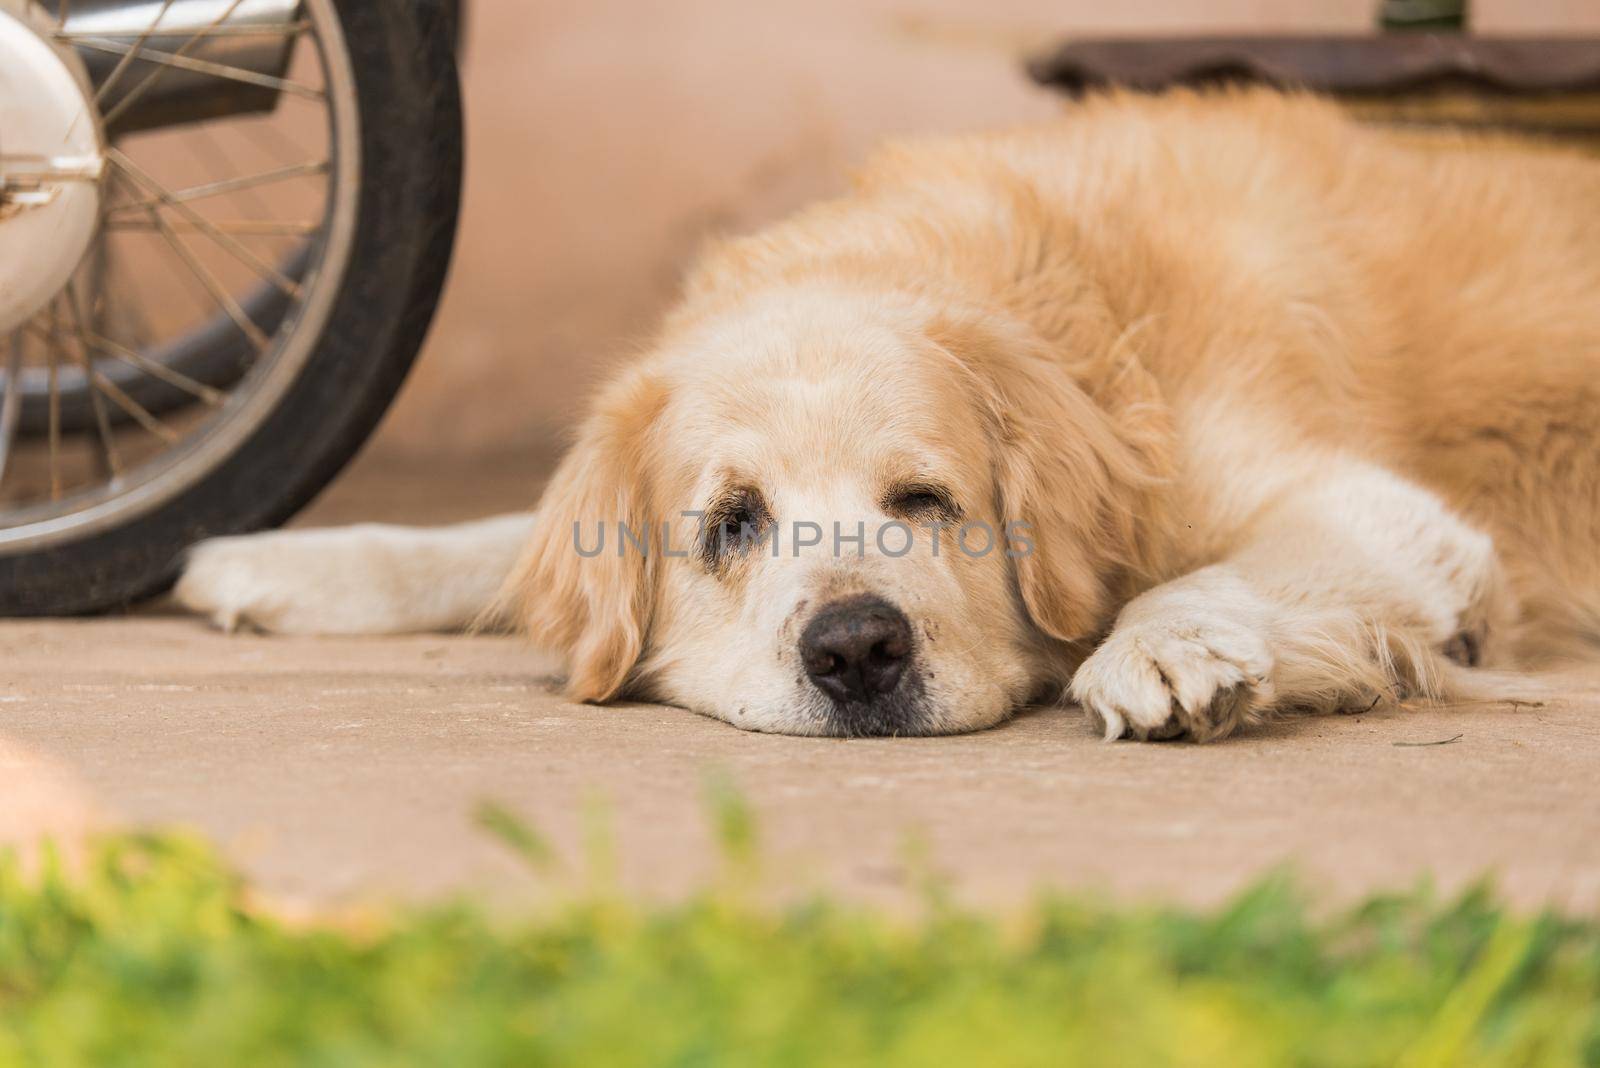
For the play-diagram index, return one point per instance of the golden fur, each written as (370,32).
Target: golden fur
(1298,412)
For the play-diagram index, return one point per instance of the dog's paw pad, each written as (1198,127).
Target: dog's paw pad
(1466,646)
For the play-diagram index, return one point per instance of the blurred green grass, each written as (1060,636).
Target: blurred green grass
(149,951)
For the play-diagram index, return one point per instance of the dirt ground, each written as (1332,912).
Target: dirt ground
(334,769)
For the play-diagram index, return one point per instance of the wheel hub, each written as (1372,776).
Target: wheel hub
(52,156)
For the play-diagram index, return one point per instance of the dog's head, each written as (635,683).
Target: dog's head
(824,513)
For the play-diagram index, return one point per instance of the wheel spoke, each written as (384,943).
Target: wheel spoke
(218,291)
(104,385)
(282,29)
(154,368)
(218,164)
(242,227)
(288,285)
(197,66)
(11,402)
(110,460)
(135,410)
(230,185)
(109,118)
(54,435)
(127,58)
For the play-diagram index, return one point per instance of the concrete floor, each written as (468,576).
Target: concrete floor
(340,768)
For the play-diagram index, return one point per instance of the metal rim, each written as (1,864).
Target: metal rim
(125,495)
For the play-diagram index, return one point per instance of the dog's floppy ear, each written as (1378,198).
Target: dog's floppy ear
(1076,446)
(594,608)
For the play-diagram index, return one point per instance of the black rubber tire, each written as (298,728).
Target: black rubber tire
(408,96)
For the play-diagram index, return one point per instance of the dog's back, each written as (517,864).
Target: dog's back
(1429,301)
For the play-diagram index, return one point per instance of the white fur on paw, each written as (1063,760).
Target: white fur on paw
(308,582)
(1159,679)
(238,582)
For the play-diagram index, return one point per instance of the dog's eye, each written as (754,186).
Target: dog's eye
(922,502)
(732,526)
(737,523)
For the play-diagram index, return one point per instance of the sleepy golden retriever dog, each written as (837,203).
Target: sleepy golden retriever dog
(1222,403)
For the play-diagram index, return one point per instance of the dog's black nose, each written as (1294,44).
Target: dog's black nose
(856,650)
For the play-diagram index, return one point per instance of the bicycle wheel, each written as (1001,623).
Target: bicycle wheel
(291,170)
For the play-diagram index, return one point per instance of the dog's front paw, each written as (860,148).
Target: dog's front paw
(242,582)
(292,582)
(1158,679)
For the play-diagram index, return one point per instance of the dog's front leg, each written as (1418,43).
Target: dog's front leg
(367,579)
(1340,593)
